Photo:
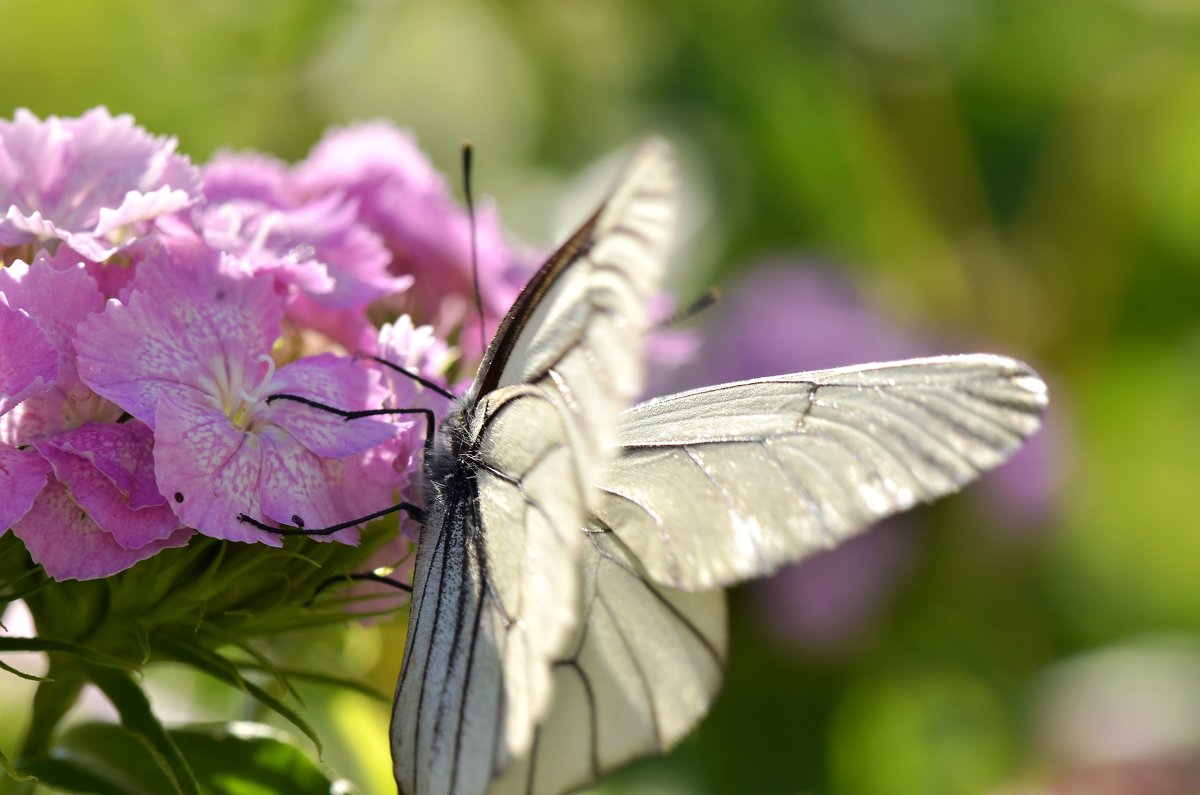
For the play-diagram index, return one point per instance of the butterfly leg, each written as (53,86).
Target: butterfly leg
(414,511)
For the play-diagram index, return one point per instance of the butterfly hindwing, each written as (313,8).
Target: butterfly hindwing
(639,673)
(729,482)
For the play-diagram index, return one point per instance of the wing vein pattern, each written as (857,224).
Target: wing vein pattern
(740,479)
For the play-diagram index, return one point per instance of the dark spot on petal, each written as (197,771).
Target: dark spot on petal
(179,496)
(296,520)
(220,295)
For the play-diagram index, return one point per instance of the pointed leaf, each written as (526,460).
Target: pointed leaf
(138,717)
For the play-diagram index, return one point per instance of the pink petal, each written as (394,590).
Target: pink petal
(64,539)
(139,207)
(182,321)
(296,484)
(334,381)
(122,452)
(108,507)
(23,473)
(59,294)
(28,362)
(209,470)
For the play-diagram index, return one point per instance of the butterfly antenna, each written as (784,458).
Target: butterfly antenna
(468,152)
(710,296)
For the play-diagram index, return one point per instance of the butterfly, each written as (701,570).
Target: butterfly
(568,612)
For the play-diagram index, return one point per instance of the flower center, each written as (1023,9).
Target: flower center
(240,400)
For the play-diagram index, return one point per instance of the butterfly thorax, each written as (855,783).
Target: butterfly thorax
(454,458)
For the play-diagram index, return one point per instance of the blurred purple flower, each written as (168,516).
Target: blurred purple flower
(789,317)
(827,602)
(187,353)
(96,182)
(403,199)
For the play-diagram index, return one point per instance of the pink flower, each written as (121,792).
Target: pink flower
(316,245)
(57,293)
(403,199)
(100,512)
(188,354)
(95,183)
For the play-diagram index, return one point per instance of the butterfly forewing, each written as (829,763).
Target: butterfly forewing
(496,585)
(577,329)
(717,485)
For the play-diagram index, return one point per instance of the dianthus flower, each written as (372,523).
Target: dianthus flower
(95,183)
(188,353)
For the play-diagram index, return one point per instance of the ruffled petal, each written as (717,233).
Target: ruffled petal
(121,452)
(104,502)
(23,474)
(28,362)
(68,543)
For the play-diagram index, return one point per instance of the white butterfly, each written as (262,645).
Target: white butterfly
(567,612)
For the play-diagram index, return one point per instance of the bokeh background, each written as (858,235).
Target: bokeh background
(867,179)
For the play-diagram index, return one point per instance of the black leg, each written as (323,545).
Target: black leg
(369,576)
(414,511)
(425,382)
(355,415)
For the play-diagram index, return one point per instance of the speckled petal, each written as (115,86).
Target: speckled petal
(108,507)
(63,537)
(209,470)
(296,485)
(121,452)
(59,294)
(334,381)
(183,321)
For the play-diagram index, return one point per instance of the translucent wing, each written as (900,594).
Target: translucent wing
(641,670)
(496,585)
(720,484)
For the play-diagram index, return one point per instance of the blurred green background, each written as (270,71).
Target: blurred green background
(1021,175)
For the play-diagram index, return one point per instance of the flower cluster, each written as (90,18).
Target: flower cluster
(149,309)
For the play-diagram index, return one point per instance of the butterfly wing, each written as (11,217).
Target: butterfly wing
(717,485)
(496,584)
(577,329)
(640,671)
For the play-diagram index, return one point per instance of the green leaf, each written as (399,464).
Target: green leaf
(11,771)
(264,664)
(320,678)
(11,644)
(221,668)
(18,672)
(242,758)
(233,759)
(138,717)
